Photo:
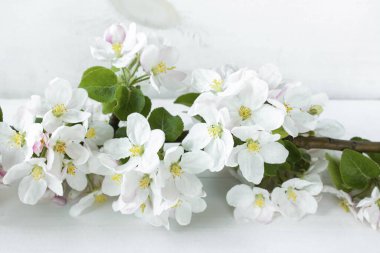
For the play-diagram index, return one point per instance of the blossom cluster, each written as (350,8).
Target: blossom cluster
(65,145)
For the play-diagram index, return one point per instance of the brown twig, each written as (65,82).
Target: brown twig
(114,122)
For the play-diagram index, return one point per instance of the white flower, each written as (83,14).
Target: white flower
(16,146)
(178,173)
(119,45)
(345,199)
(185,207)
(159,62)
(141,146)
(220,84)
(66,141)
(271,75)
(329,128)
(251,204)
(64,105)
(75,175)
(147,213)
(98,132)
(295,198)
(296,102)
(259,147)
(211,136)
(35,180)
(95,197)
(136,188)
(248,107)
(370,209)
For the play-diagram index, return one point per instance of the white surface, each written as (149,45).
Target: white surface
(332,46)
(49,228)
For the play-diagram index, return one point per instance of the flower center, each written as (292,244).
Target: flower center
(145,181)
(37,172)
(344,204)
(117,178)
(176,170)
(259,200)
(216,85)
(18,140)
(142,207)
(291,193)
(137,150)
(288,108)
(91,133)
(245,113)
(315,110)
(100,198)
(178,204)
(59,110)
(117,47)
(60,147)
(215,131)
(253,146)
(160,68)
(71,169)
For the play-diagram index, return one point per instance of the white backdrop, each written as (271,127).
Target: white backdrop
(331,45)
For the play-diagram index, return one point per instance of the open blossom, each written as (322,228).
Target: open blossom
(141,145)
(75,175)
(35,180)
(248,107)
(178,173)
(369,209)
(159,62)
(251,204)
(184,208)
(64,105)
(345,200)
(65,141)
(95,197)
(98,132)
(212,136)
(259,147)
(16,146)
(119,45)
(296,197)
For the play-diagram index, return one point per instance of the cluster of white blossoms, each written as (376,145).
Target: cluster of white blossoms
(62,146)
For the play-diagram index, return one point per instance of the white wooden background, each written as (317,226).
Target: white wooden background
(331,45)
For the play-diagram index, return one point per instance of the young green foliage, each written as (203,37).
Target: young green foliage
(172,126)
(187,99)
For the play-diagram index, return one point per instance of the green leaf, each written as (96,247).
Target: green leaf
(108,107)
(334,172)
(272,169)
(1,115)
(294,153)
(172,126)
(357,169)
(121,132)
(373,156)
(100,83)
(147,107)
(187,99)
(128,101)
(281,131)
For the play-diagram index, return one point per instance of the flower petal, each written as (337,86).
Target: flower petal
(58,92)
(138,129)
(251,166)
(78,153)
(183,214)
(118,148)
(196,162)
(189,185)
(197,138)
(274,152)
(30,190)
(240,195)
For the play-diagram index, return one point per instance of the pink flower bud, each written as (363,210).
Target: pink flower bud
(115,34)
(59,200)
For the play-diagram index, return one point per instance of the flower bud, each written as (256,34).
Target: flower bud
(115,34)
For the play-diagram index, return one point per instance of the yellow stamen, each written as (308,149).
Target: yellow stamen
(315,110)
(60,147)
(161,67)
(245,113)
(288,108)
(18,140)
(91,133)
(100,198)
(142,207)
(117,178)
(145,181)
(344,204)
(216,85)
(178,204)
(215,131)
(176,170)
(37,172)
(59,110)
(291,194)
(136,150)
(71,169)
(378,202)
(253,146)
(117,47)
(259,200)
